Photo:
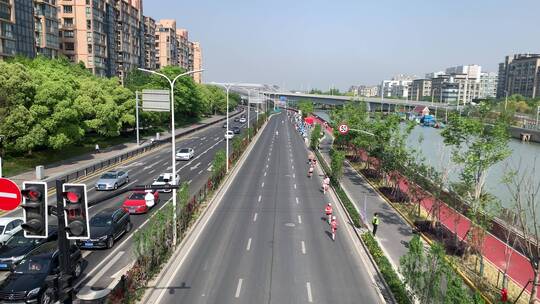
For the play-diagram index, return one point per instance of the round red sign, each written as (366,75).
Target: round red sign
(10,195)
(343,129)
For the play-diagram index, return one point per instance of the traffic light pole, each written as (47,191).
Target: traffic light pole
(63,242)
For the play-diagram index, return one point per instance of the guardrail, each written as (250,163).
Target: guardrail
(80,173)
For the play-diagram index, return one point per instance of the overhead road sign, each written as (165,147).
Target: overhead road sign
(156,100)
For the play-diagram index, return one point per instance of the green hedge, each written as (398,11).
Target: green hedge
(390,276)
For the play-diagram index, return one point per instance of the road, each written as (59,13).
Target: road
(99,272)
(267,242)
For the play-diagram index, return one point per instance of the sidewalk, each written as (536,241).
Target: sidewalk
(61,168)
(393,233)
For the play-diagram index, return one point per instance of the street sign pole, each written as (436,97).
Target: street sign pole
(63,244)
(137,115)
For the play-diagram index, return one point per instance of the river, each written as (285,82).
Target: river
(525,156)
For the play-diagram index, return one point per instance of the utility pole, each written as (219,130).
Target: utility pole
(137,115)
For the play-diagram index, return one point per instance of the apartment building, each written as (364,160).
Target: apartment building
(519,74)
(397,87)
(183,47)
(488,85)
(7,37)
(455,89)
(420,89)
(149,43)
(166,44)
(129,22)
(46,28)
(23,28)
(472,71)
(197,61)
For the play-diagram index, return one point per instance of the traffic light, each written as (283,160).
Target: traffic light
(35,211)
(76,211)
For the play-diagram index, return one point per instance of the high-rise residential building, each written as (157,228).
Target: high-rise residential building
(84,33)
(455,88)
(397,87)
(166,49)
(183,46)
(23,28)
(420,89)
(190,57)
(7,21)
(129,24)
(472,71)
(488,85)
(149,43)
(46,28)
(519,74)
(197,61)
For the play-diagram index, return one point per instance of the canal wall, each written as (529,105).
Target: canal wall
(516,133)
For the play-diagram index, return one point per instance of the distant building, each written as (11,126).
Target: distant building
(434,74)
(197,61)
(183,47)
(420,88)
(149,43)
(23,29)
(455,89)
(519,74)
(472,71)
(365,91)
(128,25)
(166,44)
(46,28)
(397,87)
(7,36)
(488,85)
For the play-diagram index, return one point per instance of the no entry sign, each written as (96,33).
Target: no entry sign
(10,195)
(343,129)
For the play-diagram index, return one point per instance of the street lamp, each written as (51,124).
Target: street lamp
(173,137)
(227,87)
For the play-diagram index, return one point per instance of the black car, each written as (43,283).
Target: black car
(35,278)
(236,130)
(236,119)
(17,247)
(106,227)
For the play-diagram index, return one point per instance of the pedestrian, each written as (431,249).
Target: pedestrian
(97,148)
(375,222)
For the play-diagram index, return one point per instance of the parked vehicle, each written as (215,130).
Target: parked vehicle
(17,247)
(35,278)
(8,227)
(165,179)
(236,130)
(112,180)
(229,134)
(185,154)
(136,203)
(106,227)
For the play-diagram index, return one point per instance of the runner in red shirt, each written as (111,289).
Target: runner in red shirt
(328,211)
(334,226)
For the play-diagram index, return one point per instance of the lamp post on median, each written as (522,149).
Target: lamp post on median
(173,138)
(227,87)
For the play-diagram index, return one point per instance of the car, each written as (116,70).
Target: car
(185,154)
(34,279)
(106,226)
(243,120)
(165,179)
(136,203)
(224,125)
(111,180)
(236,119)
(236,130)
(229,134)
(17,247)
(8,227)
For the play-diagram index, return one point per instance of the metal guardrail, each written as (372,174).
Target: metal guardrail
(80,173)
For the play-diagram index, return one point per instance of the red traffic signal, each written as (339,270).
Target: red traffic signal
(76,211)
(31,195)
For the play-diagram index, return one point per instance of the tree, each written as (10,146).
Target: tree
(306,106)
(336,165)
(315,137)
(476,147)
(524,188)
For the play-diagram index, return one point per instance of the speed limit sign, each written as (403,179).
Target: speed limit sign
(343,129)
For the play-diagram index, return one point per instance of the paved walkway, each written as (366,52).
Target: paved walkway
(61,168)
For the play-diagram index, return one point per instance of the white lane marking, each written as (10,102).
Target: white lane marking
(200,172)
(255,217)
(248,245)
(195,167)
(262,185)
(297,201)
(293,175)
(267,166)
(169,168)
(238,288)
(303,247)
(86,252)
(309,295)
(152,171)
(198,156)
(264,173)
(292,166)
(217,138)
(209,168)
(268,159)
(260,197)
(203,138)
(8,195)
(299,219)
(105,268)
(294,186)
(189,181)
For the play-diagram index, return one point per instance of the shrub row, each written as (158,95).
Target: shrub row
(390,276)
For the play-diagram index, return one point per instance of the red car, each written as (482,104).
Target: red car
(136,204)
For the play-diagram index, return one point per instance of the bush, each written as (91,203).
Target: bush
(315,136)
(337,159)
(390,276)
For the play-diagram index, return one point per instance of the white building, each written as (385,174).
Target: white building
(397,87)
(472,71)
(488,85)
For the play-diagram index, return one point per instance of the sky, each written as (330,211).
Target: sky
(300,44)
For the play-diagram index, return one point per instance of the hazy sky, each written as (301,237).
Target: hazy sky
(315,43)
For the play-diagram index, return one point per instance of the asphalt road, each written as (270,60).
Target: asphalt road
(99,270)
(267,241)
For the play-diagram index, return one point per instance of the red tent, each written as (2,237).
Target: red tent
(309,120)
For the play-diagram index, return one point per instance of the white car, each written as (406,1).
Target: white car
(185,154)
(8,227)
(243,120)
(229,134)
(165,179)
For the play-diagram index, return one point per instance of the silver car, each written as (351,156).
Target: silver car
(112,180)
